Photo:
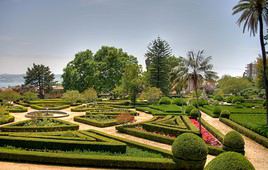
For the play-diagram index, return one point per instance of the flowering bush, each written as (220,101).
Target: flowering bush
(207,136)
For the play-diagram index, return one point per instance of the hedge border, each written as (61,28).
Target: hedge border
(37,107)
(66,127)
(6,119)
(81,119)
(247,132)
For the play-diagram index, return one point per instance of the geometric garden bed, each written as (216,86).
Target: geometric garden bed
(39,125)
(83,148)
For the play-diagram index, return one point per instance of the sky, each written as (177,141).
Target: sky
(50,32)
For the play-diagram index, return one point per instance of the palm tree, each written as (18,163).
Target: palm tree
(254,13)
(196,68)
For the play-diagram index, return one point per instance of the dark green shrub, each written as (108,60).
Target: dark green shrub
(188,109)
(194,113)
(201,102)
(165,100)
(189,152)
(178,101)
(229,99)
(217,110)
(218,97)
(225,114)
(237,99)
(233,141)
(230,161)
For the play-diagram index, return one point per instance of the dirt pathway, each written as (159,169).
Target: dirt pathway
(256,153)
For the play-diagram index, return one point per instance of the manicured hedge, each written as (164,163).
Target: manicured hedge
(17,109)
(154,111)
(254,136)
(86,120)
(208,112)
(172,108)
(6,119)
(39,107)
(14,127)
(88,160)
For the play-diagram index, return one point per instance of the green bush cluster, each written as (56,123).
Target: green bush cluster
(218,97)
(200,103)
(229,161)
(165,100)
(216,110)
(189,152)
(188,109)
(225,114)
(238,99)
(179,101)
(233,141)
(194,113)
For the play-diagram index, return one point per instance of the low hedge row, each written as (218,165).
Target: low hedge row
(6,119)
(17,109)
(170,108)
(49,101)
(160,138)
(215,132)
(88,160)
(208,112)
(154,111)
(111,113)
(249,133)
(85,120)
(14,127)
(37,107)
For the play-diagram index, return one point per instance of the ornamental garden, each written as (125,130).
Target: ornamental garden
(116,134)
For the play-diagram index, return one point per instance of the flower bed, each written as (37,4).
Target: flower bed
(206,135)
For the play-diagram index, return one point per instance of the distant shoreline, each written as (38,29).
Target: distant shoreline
(11,80)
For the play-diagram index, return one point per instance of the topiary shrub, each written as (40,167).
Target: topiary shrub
(218,97)
(189,152)
(165,100)
(233,141)
(194,113)
(217,110)
(188,109)
(230,161)
(178,101)
(225,114)
(237,99)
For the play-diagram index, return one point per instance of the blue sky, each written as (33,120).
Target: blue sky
(52,31)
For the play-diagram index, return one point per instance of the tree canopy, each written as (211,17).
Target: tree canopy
(102,71)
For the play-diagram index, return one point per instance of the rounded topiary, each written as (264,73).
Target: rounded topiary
(165,100)
(194,113)
(233,141)
(225,114)
(189,152)
(178,101)
(217,110)
(230,161)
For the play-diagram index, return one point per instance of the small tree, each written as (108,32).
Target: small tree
(151,94)
(72,96)
(40,77)
(90,95)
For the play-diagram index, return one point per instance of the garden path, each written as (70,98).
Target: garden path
(256,153)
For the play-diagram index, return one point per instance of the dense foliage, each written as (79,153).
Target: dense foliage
(157,64)
(233,141)
(40,77)
(102,71)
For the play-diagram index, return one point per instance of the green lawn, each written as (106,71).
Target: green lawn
(255,122)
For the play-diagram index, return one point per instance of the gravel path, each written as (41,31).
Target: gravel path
(256,153)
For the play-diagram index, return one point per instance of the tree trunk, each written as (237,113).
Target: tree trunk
(197,104)
(264,65)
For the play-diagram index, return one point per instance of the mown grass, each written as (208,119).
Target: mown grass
(254,122)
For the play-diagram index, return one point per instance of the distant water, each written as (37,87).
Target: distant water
(7,80)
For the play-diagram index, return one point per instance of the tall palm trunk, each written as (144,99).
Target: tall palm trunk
(264,65)
(197,102)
